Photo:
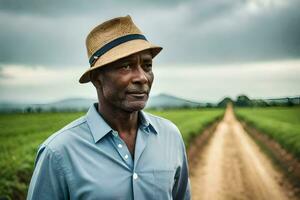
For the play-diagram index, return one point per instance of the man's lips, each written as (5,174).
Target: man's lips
(138,94)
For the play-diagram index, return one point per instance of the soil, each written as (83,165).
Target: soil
(232,166)
(288,163)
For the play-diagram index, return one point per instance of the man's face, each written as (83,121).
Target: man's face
(125,84)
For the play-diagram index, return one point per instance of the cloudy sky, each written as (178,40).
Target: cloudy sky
(212,48)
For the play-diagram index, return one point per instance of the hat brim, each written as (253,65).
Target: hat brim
(121,51)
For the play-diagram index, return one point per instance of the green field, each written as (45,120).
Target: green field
(20,135)
(281,124)
(191,122)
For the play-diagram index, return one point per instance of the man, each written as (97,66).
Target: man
(116,151)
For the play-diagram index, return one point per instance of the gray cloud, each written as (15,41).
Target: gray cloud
(35,41)
(54,8)
(52,33)
(58,8)
(233,36)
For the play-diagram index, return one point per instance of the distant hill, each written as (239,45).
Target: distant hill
(168,101)
(161,101)
(76,104)
(72,103)
(82,104)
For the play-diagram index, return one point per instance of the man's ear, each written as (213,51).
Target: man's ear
(94,77)
(96,83)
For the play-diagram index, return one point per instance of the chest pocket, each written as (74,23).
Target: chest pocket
(164,182)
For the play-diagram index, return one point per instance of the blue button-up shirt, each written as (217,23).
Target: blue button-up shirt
(88,160)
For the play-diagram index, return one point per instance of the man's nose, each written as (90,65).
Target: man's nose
(139,75)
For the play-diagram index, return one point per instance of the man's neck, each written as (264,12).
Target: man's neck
(119,120)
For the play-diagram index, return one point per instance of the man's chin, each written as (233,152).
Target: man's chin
(135,106)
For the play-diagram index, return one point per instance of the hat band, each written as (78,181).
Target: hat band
(113,44)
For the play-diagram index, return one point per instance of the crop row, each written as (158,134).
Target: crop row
(280,124)
(21,134)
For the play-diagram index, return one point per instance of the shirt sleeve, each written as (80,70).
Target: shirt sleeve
(181,189)
(48,179)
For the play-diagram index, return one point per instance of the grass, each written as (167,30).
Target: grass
(21,134)
(191,122)
(281,124)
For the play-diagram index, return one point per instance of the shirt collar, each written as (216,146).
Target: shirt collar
(97,124)
(100,128)
(146,123)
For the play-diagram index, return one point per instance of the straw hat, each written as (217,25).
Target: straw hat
(113,40)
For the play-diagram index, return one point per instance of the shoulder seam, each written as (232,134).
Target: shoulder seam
(62,169)
(62,131)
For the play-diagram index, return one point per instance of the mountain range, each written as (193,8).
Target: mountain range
(160,101)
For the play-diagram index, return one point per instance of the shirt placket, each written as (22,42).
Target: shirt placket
(140,145)
(122,149)
(141,142)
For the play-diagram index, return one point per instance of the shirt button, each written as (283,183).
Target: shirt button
(135,176)
(120,145)
(126,157)
(115,133)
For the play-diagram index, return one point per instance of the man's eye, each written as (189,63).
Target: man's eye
(148,66)
(126,67)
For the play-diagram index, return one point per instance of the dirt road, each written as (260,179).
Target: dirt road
(232,166)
